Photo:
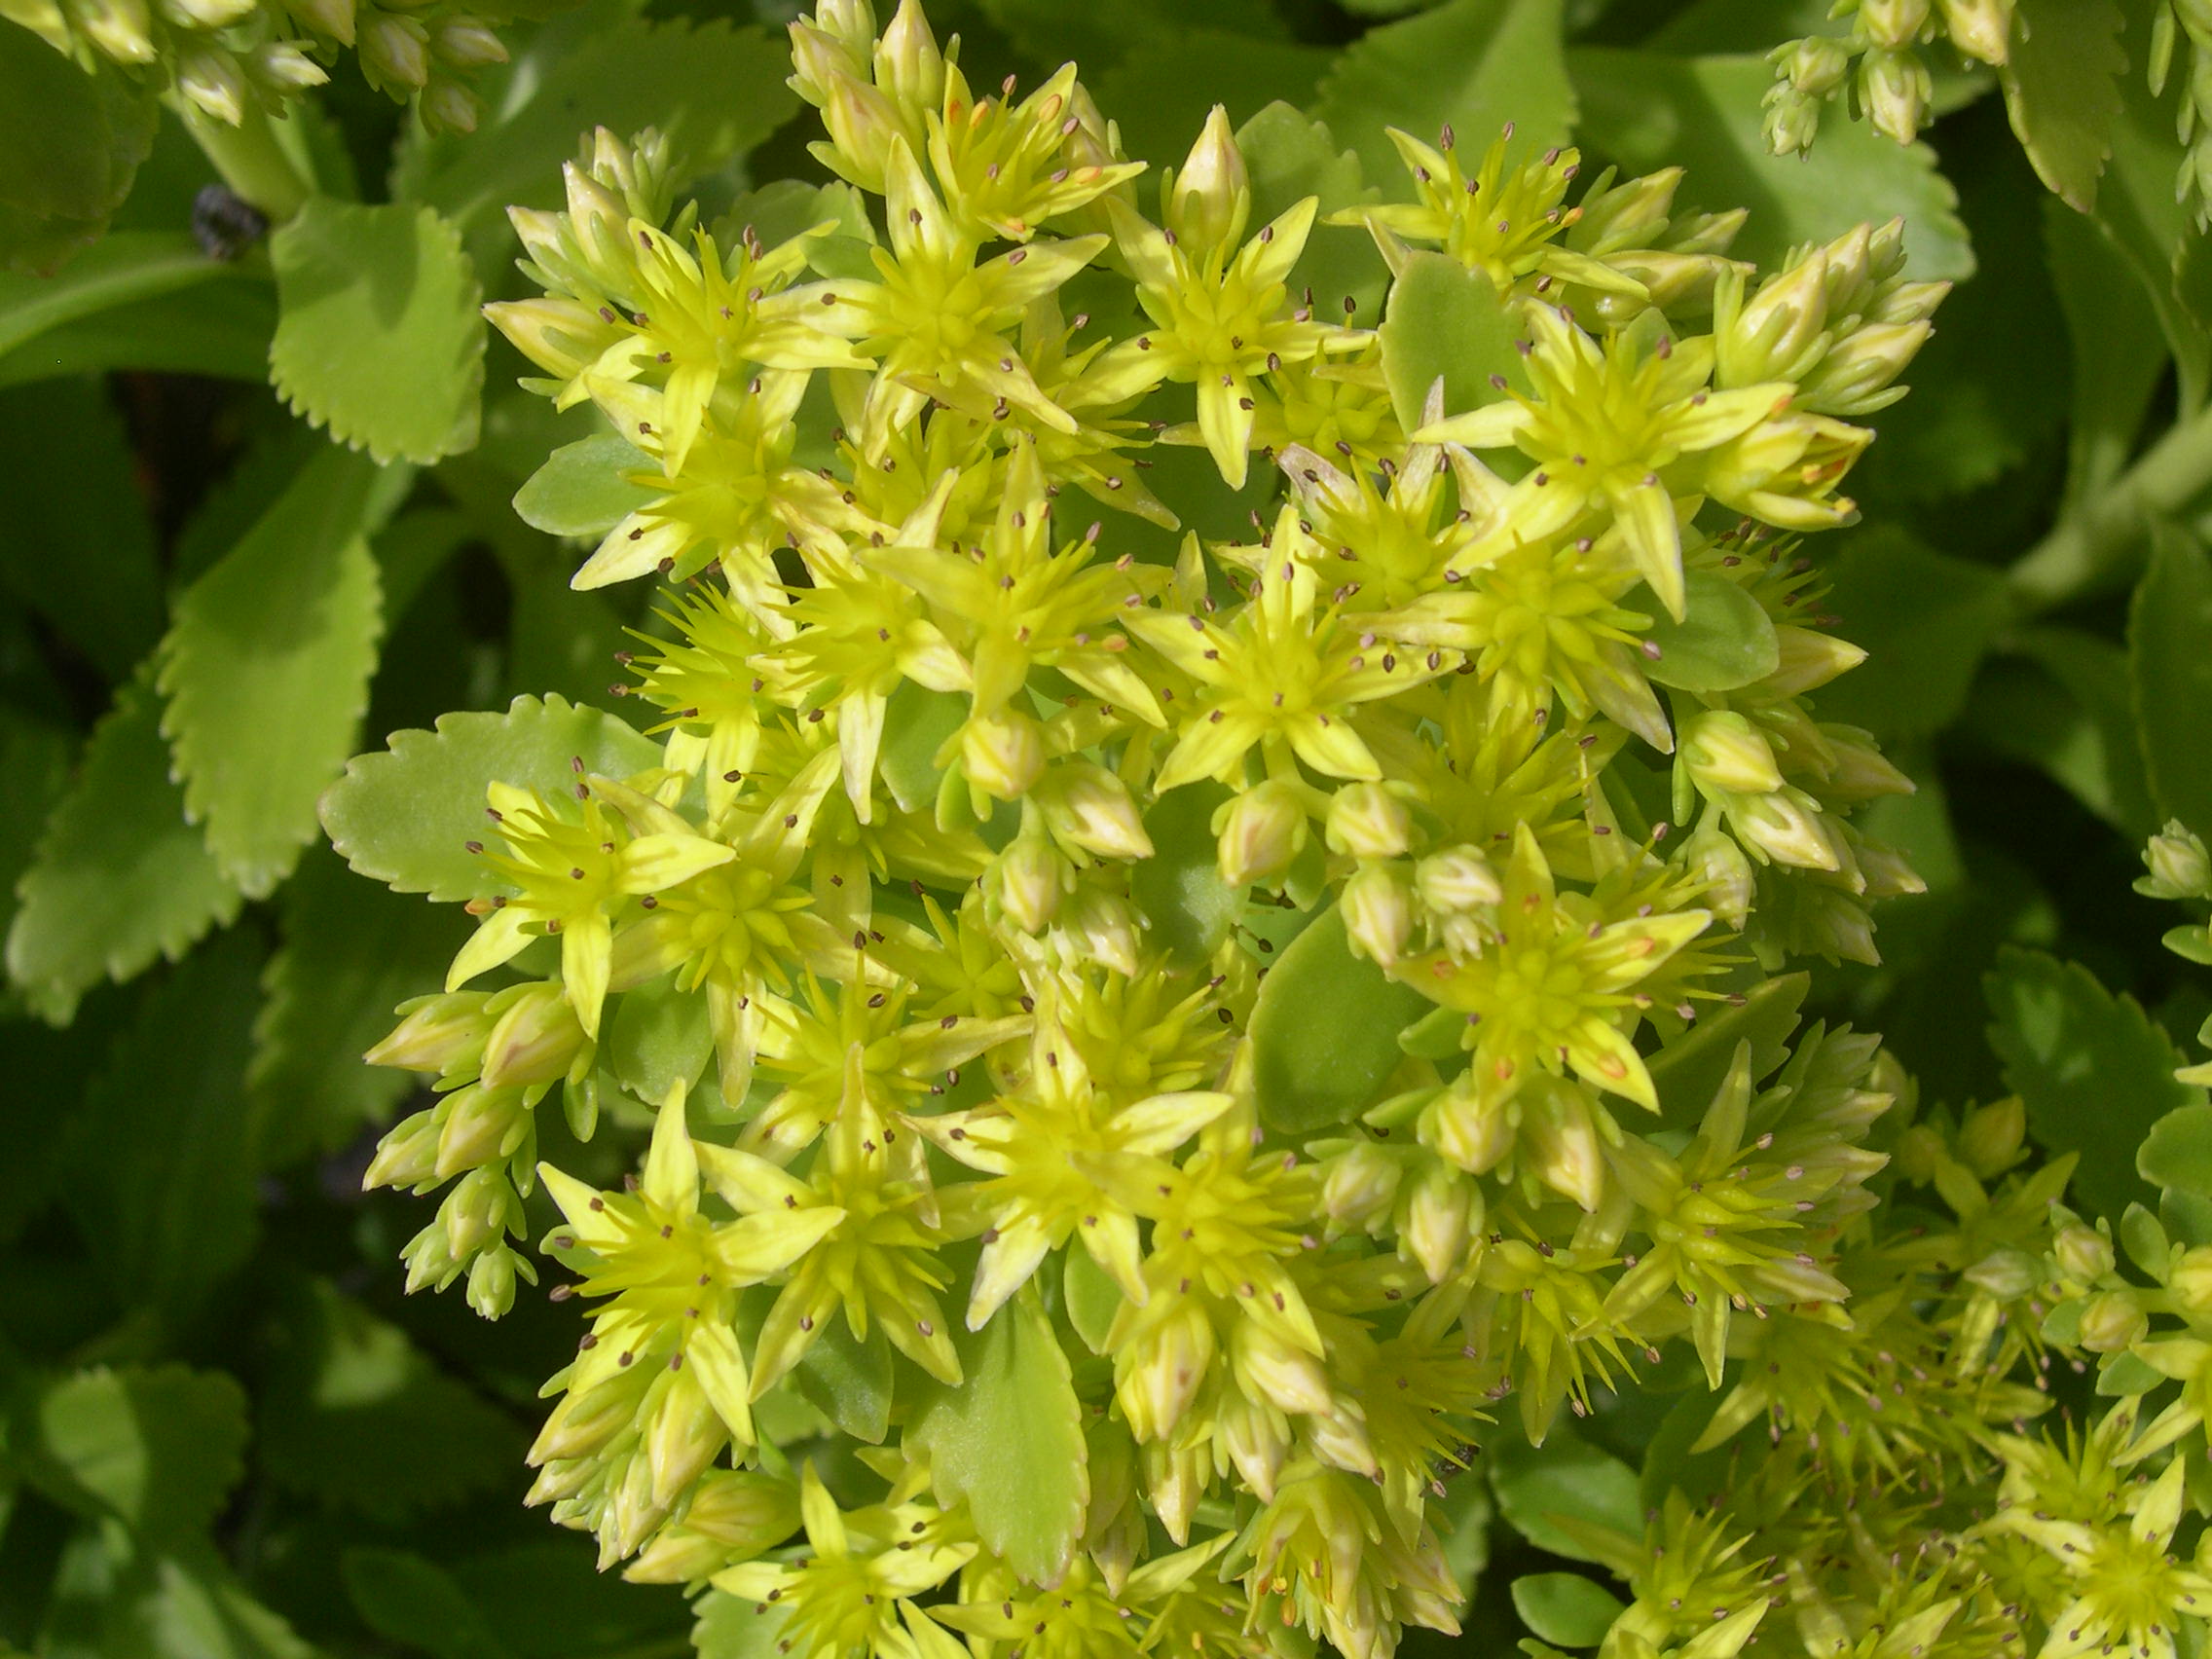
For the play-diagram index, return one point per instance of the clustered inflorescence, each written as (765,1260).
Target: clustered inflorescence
(1880,64)
(228,59)
(1000,842)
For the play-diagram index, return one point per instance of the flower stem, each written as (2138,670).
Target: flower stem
(2096,545)
(250,160)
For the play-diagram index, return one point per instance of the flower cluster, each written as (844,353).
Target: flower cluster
(228,58)
(1879,65)
(2172,24)
(1294,998)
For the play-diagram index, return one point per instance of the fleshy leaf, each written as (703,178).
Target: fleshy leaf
(70,144)
(1448,323)
(1008,1440)
(267,666)
(580,489)
(378,332)
(158,1447)
(2093,1070)
(2062,83)
(1689,1071)
(2170,671)
(121,878)
(1724,640)
(1187,909)
(1924,619)
(1565,1607)
(1473,64)
(1325,1031)
(850,1379)
(405,815)
(2177,1154)
(1290,156)
(1556,1495)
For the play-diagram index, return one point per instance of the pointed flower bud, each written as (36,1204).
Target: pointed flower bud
(1003,754)
(1210,198)
(396,53)
(1457,880)
(1088,808)
(1729,883)
(1358,1186)
(1258,834)
(2113,1320)
(1725,754)
(2083,1254)
(2191,1282)
(2179,866)
(908,66)
(1368,821)
(1378,910)
(1991,1137)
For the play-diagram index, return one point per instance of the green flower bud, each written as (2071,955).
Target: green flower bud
(1003,754)
(1161,1372)
(2006,1274)
(536,1038)
(1441,1213)
(1979,29)
(1896,89)
(1919,1151)
(479,1121)
(407,1156)
(443,1035)
(492,1283)
(1778,334)
(1793,119)
(1269,1369)
(466,43)
(1786,828)
(475,1212)
(2178,865)
(1258,834)
(1893,23)
(2085,1254)
(1991,1138)
(1368,821)
(1088,808)
(2113,1320)
(908,66)
(1729,883)
(1859,376)
(2192,1281)
(448,106)
(283,70)
(1211,197)
(1457,880)
(1467,1126)
(1815,66)
(117,28)
(1028,881)
(733,1516)
(211,83)
(1103,928)
(396,53)
(863,126)
(206,14)
(1358,1186)
(1725,754)
(431,1264)
(1377,911)
(333,20)
(1808,660)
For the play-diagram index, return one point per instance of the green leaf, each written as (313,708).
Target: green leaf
(351,952)
(34,773)
(267,667)
(1565,1607)
(156,1172)
(1289,156)
(120,877)
(1649,112)
(111,1602)
(1184,906)
(2177,1154)
(2063,708)
(355,1417)
(1091,1298)
(1724,640)
(714,91)
(379,336)
(849,1379)
(2152,230)
(76,543)
(1008,1440)
(2095,1073)
(1325,1031)
(2119,348)
(70,144)
(660,1036)
(1688,1072)
(404,816)
(128,265)
(158,1448)
(731,1627)
(2170,670)
(400,1594)
(916,724)
(2061,85)
(1553,1494)
(1162,89)
(1448,323)
(1475,64)
(1924,619)
(581,491)
(218,329)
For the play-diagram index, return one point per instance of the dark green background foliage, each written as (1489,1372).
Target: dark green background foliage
(223,1432)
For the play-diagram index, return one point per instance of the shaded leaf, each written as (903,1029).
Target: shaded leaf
(2170,670)
(2093,1070)
(1924,619)
(70,144)
(158,1447)
(1649,112)
(404,815)
(34,773)
(379,337)
(1162,91)
(408,1598)
(1476,64)
(111,1602)
(125,267)
(1724,640)
(351,952)
(2061,83)
(1009,1441)
(2119,348)
(1550,1494)
(1182,902)
(1688,1072)
(1091,1298)
(2177,1154)
(219,329)
(849,1379)
(120,877)
(660,1036)
(267,667)
(1289,157)
(1325,1031)
(157,1171)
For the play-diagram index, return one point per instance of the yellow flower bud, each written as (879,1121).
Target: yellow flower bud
(2110,1321)
(1723,754)
(1258,834)
(2084,1255)
(1003,754)
(1990,1139)
(2192,1281)
(1377,907)
(1211,195)
(1368,821)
